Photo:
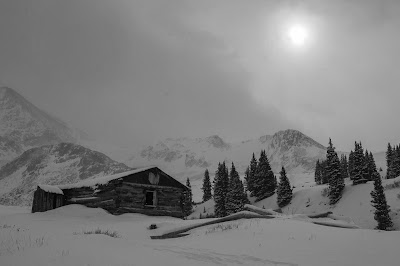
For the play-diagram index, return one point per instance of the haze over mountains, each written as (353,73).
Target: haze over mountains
(26,128)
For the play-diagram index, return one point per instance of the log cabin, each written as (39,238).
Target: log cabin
(146,190)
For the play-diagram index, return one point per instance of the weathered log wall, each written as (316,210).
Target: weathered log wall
(119,197)
(44,201)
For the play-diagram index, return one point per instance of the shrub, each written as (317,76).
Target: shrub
(222,227)
(99,231)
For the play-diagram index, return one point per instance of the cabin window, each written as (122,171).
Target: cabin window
(151,198)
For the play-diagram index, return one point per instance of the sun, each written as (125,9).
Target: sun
(298,34)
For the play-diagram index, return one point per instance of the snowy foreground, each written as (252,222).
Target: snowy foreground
(55,238)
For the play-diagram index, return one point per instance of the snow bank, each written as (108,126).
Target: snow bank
(51,189)
(103,180)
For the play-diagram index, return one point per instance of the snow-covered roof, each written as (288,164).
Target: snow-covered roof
(104,179)
(51,189)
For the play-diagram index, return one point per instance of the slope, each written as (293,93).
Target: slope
(52,164)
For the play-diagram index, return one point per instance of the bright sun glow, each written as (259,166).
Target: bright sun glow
(298,35)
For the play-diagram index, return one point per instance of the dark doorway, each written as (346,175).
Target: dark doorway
(150,198)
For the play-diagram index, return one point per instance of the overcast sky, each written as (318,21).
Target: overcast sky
(135,71)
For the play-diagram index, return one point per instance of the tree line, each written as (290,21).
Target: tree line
(230,194)
(360,168)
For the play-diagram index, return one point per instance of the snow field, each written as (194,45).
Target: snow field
(279,241)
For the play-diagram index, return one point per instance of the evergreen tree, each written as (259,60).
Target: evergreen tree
(389,158)
(324,174)
(382,210)
(284,191)
(264,181)
(188,199)
(252,174)
(395,163)
(221,182)
(235,198)
(336,182)
(372,167)
(351,165)
(207,194)
(360,172)
(344,166)
(246,178)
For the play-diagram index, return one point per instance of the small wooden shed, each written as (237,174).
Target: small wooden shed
(47,198)
(146,190)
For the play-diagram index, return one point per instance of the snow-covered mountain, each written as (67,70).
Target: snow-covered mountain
(24,126)
(182,156)
(52,164)
(189,157)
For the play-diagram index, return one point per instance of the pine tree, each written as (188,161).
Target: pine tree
(344,166)
(246,178)
(360,171)
(188,200)
(284,191)
(382,210)
(324,174)
(252,173)
(372,167)
(221,182)
(336,182)
(389,158)
(207,194)
(235,198)
(395,162)
(351,165)
(264,181)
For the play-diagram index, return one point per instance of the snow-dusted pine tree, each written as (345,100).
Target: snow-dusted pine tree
(221,182)
(389,159)
(188,199)
(382,209)
(360,172)
(351,165)
(207,194)
(336,182)
(264,181)
(344,166)
(252,174)
(236,195)
(284,191)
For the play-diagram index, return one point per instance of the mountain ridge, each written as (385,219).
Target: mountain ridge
(62,163)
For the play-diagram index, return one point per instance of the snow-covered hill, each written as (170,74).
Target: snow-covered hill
(309,198)
(52,164)
(24,126)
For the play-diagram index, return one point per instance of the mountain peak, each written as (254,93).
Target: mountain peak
(24,126)
(217,142)
(292,137)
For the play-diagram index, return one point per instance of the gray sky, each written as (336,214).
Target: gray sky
(136,71)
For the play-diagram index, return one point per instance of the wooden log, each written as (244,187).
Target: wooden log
(319,215)
(88,200)
(164,188)
(233,217)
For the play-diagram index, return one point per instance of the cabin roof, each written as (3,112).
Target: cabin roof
(51,189)
(106,179)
